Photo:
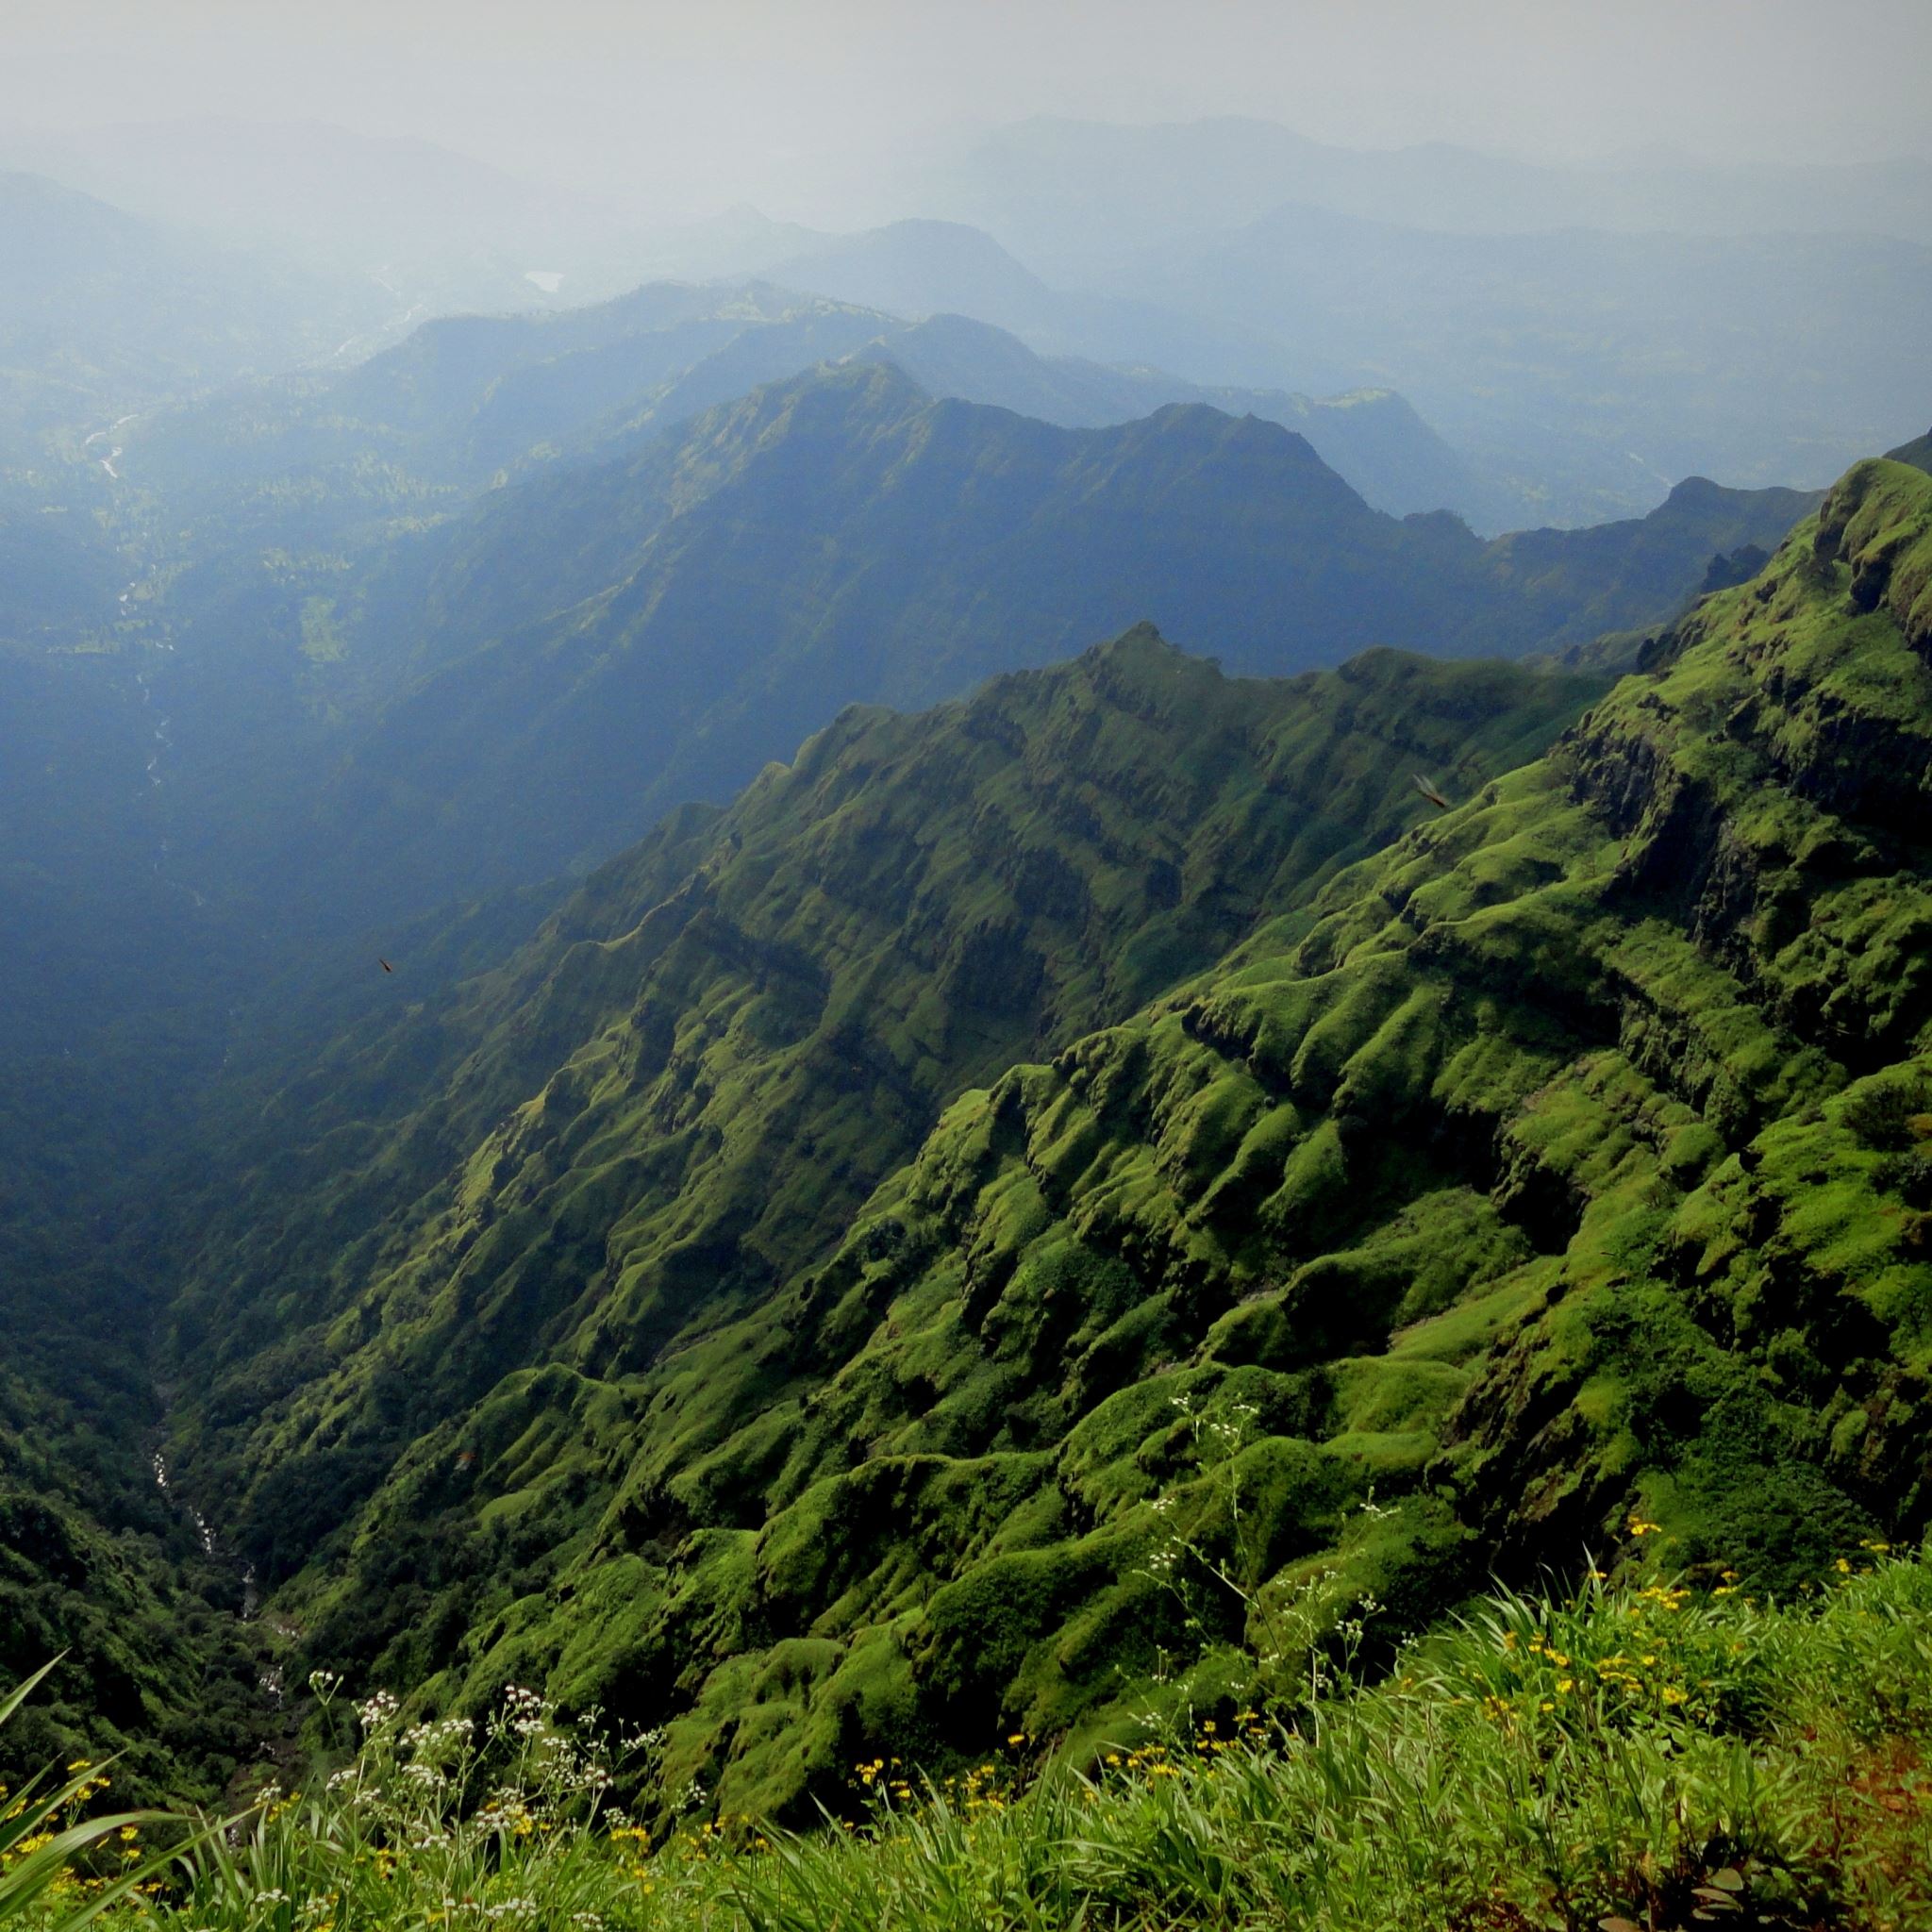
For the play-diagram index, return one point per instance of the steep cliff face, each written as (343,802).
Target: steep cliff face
(1570,1156)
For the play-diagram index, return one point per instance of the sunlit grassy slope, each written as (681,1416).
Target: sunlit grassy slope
(1625,1758)
(701,1067)
(1568,1155)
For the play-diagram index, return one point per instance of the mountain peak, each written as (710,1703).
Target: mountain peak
(1693,489)
(1918,452)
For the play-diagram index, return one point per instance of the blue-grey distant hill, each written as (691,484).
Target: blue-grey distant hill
(1918,452)
(465,398)
(102,312)
(1069,191)
(1599,365)
(1584,370)
(607,639)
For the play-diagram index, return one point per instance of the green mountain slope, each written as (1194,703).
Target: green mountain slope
(1565,1159)
(97,1569)
(740,1028)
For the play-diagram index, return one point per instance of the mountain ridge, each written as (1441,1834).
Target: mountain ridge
(1223,528)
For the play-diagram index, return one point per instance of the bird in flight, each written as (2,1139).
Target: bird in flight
(1429,791)
(385,965)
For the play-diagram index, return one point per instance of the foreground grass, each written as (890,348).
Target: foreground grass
(1635,1758)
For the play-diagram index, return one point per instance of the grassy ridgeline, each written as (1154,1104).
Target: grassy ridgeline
(1643,1755)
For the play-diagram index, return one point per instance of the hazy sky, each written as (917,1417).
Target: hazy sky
(768,99)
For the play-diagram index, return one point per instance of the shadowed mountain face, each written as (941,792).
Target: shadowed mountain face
(1370,436)
(465,400)
(1562,1156)
(60,573)
(402,715)
(845,538)
(1594,580)
(426,424)
(1580,369)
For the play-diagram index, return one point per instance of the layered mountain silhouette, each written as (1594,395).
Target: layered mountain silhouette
(464,400)
(1699,351)
(103,312)
(1371,437)
(844,537)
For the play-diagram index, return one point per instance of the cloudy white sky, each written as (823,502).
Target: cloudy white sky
(771,99)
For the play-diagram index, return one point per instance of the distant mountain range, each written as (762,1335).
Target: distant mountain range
(628,633)
(102,311)
(467,398)
(1575,370)
(1075,191)
(1583,368)
(588,544)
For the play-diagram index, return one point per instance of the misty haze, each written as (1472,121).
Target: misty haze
(965,966)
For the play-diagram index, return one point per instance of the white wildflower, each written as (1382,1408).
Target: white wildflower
(376,1711)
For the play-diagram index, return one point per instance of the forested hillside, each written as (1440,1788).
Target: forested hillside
(549,1137)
